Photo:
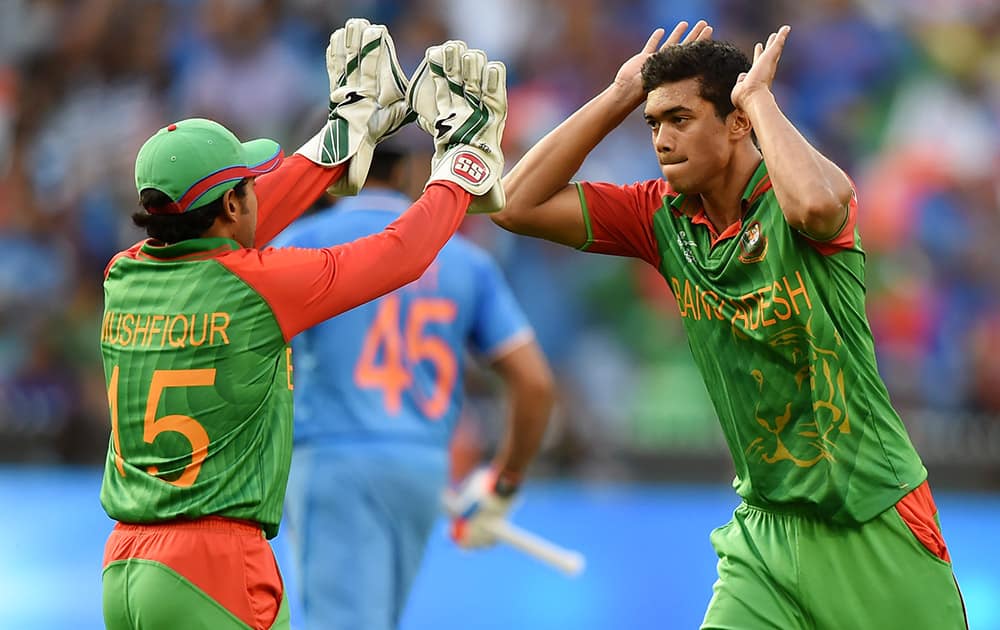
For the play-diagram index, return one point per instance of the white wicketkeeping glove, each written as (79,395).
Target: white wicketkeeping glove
(461,100)
(473,507)
(367,101)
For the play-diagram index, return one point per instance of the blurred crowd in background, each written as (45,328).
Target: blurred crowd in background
(903,94)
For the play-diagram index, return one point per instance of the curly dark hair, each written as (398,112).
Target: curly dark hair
(174,228)
(715,65)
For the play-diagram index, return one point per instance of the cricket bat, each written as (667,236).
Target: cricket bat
(568,561)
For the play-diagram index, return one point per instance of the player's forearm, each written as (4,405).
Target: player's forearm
(531,394)
(307,286)
(402,252)
(288,191)
(548,166)
(526,428)
(812,190)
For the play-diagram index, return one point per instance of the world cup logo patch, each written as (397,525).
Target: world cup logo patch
(753,244)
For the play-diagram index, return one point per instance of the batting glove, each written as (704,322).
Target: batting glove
(367,101)
(460,98)
(474,506)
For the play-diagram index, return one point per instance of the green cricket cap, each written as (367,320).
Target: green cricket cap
(195,161)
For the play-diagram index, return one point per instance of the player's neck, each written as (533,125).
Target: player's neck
(222,228)
(722,200)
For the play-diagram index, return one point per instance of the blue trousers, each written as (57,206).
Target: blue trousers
(358,516)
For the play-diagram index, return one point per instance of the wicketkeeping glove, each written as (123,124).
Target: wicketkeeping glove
(367,101)
(461,100)
(474,506)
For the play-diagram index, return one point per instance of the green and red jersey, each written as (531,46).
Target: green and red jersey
(776,323)
(196,356)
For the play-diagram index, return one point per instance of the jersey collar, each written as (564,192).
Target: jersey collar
(759,184)
(191,249)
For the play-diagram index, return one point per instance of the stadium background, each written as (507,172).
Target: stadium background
(904,94)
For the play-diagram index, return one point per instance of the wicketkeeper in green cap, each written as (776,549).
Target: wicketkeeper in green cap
(198,318)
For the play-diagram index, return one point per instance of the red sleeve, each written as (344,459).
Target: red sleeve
(620,218)
(288,191)
(845,238)
(307,286)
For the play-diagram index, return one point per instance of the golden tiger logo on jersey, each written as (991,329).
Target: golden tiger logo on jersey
(788,430)
(753,244)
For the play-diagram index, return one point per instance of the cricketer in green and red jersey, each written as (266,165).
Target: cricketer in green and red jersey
(757,241)
(197,324)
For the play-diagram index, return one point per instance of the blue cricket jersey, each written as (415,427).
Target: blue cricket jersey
(392,369)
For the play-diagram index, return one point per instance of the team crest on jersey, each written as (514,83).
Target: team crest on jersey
(753,244)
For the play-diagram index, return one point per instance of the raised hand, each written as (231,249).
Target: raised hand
(629,76)
(765,65)
(367,101)
(461,100)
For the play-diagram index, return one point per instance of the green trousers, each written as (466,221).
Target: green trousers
(790,572)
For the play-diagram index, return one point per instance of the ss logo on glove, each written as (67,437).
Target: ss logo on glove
(469,167)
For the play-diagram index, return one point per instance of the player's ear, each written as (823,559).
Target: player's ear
(738,124)
(231,206)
